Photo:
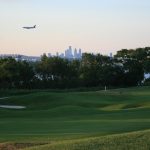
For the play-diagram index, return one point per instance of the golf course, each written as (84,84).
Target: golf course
(71,120)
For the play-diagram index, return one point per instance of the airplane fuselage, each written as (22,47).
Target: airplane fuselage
(30,27)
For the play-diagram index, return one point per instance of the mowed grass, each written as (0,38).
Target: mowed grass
(53,117)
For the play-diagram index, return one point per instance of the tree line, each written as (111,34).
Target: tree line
(126,68)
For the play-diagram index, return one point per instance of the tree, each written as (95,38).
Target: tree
(134,73)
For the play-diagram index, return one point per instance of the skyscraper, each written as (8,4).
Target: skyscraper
(75,53)
(68,53)
(80,54)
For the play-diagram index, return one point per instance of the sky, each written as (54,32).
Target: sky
(98,26)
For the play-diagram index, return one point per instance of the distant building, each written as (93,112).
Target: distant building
(80,54)
(68,53)
(62,55)
(111,55)
(57,54)
(18,57)
(75,53)
(49,55)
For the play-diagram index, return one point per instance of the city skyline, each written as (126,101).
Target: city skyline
(98,26)
(70,54)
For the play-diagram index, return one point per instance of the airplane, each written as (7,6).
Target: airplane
(30,27)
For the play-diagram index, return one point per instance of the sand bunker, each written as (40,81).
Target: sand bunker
(4,98)
(12,107)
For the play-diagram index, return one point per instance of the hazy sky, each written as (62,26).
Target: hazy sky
(102,26)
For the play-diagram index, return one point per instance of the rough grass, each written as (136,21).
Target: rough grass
(129,141)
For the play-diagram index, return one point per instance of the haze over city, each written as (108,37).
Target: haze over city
(102,26)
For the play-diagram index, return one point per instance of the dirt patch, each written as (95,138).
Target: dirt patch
(16,146)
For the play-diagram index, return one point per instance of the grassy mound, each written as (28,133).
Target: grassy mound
(128,141)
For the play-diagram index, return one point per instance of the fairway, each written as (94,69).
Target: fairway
(53,117)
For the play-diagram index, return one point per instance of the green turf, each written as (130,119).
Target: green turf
(57,116)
